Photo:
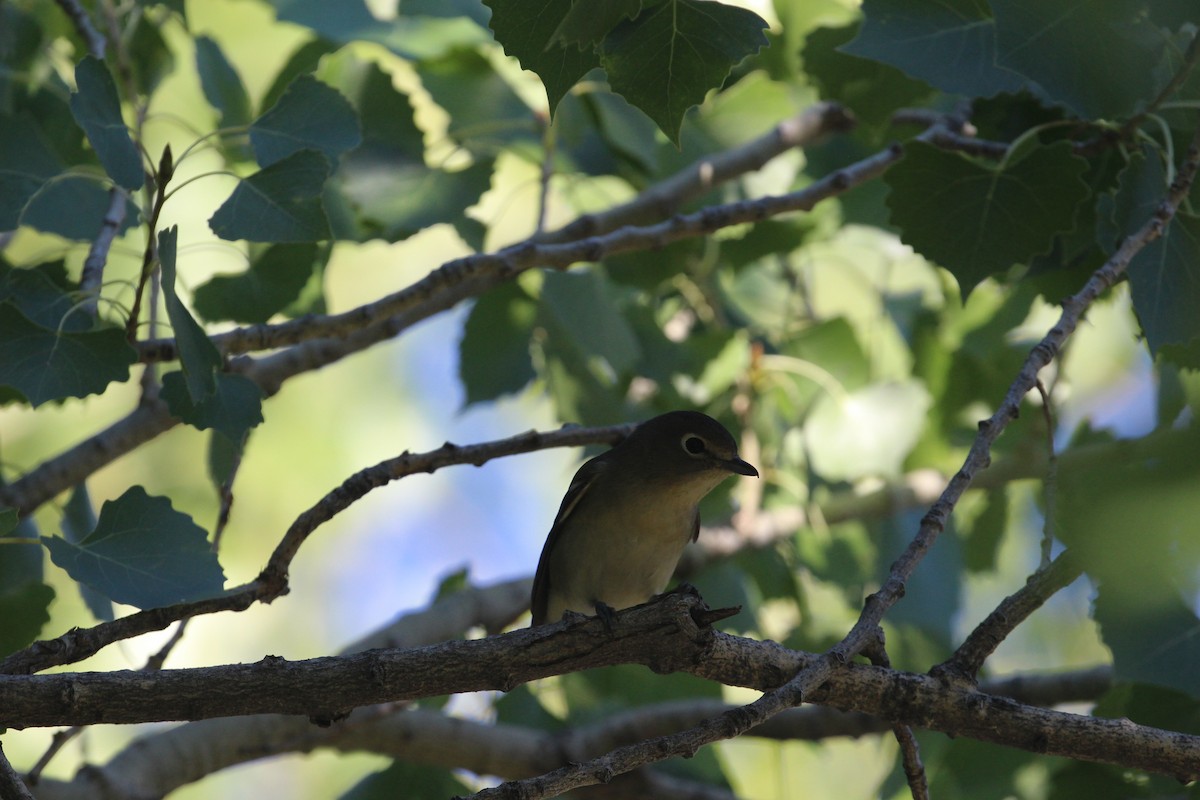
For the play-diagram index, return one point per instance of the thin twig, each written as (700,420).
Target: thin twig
(1190,58)
(83,25)
(1050,484)
(968,659)
(92,276)
(11,786)
(910,751)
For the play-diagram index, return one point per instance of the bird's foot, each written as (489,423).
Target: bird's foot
(607,615)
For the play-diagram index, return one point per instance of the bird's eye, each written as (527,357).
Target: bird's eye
(693,444)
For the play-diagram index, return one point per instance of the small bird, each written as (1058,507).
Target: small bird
(629,513)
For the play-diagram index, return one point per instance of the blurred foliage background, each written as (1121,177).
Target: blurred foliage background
(853,348)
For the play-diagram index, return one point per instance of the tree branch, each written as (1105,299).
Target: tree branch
(667,197)
(662,635)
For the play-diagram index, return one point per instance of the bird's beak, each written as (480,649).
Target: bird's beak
(741,467)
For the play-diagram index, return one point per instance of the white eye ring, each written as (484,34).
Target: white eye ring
(693,445)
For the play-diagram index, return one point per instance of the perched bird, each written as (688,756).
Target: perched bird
(629,513)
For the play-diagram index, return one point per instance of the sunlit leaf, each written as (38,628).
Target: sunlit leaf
(866,432)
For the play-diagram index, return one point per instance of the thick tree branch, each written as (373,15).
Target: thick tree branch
(662,635)
(163,761)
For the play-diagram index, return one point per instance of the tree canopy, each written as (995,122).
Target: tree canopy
(935,264)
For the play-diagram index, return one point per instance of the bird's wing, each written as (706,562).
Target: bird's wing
(696,526)
(584,479)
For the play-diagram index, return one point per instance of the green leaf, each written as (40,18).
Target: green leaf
(1146,581)
(223,87)
(986,532)
(43,365)
(493,356)
(666,60)
(21,564)
(867,432)
(79,520)
(949,44)
(27,162)
(873,89)
(24,599)
(1165,276)
(521,707)
(403,779)
(224,456)
(304,59)
(526,30)
(273,280)
(8,523)
(410,37)
(931,597)
(977,219)
(396,203)
(198,356)
(42,295)
(582,306)
(142,553)
(233,407)
(97,109)
(309,116)
(280,203)
(587,23)
(977,770)
(73,206)
(150,57)
(24,611)
(485,113)
(385,179)
(1098,60)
